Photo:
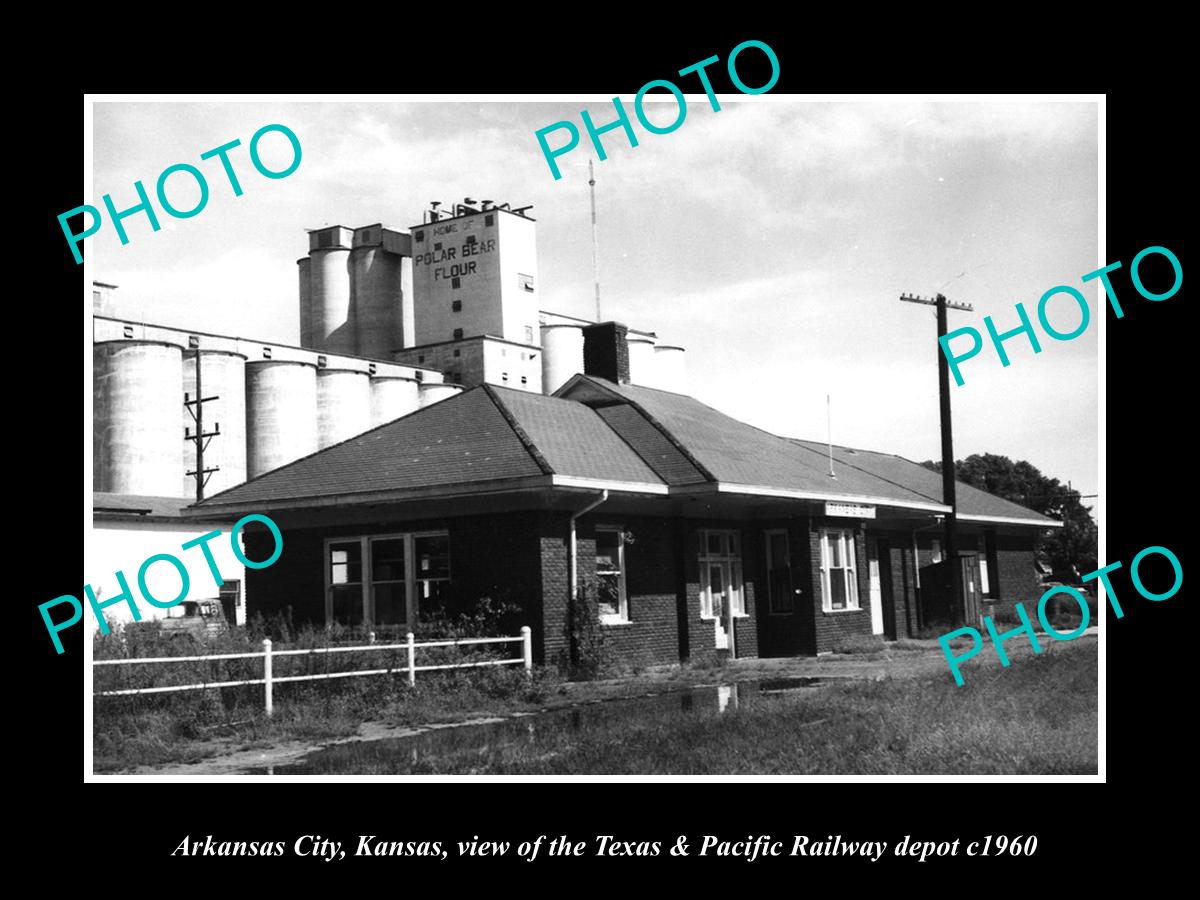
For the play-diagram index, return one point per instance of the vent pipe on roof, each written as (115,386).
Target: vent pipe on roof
(829,430)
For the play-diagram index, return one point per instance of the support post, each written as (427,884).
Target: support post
(949,495)
(527,643)
(412,660)
(949,498)
(267,685)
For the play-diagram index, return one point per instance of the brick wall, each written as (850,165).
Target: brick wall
(552,532)
(1015,578)
(839,623)
(651,637)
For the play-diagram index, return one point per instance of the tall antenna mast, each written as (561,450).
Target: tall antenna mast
(595,243)
(829,431)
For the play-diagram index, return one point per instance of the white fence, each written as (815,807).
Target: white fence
(269,680)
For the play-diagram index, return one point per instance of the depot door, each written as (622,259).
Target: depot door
(969,564)
(876,586)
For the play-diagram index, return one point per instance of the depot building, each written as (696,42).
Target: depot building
(434,444)
(696,533)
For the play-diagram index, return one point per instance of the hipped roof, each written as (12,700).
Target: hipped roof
(596,433)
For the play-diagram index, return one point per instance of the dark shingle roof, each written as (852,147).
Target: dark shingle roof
(460,440)
(915,477)
(732,452)
(597,430)
(483,435)
(573,439)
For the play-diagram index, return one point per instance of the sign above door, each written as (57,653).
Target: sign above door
(850,510)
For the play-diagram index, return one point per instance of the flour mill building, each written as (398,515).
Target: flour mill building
(438,439)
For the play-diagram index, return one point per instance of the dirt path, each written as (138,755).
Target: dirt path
(923,659)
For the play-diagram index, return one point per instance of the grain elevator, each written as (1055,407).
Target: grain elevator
(390,320)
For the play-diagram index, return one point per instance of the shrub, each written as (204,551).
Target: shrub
(587,654)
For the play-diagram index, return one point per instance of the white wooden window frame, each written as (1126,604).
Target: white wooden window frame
(849,554)
(734,563)
(621,617)
(411,578)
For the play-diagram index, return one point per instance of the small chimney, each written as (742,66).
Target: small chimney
(606,351)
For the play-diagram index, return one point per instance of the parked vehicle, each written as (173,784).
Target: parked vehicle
(197,619)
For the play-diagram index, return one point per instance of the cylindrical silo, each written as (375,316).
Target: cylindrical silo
(562,355)
(343,405)
(377,279)
(223,376)
(304,267)
(393,396)
(641,360)
(281,414)
(332,320)
(671,368)
(137,394)
(432,392)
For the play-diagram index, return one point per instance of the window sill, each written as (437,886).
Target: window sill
(607,622)
(841,612)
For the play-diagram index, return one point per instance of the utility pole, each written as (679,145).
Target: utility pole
(595,242)
(949,494)
(200,439)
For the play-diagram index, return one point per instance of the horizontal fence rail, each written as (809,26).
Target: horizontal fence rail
(268,654)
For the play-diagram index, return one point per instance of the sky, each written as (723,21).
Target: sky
(772,239)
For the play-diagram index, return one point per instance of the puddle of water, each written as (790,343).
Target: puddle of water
(584,720)
(779,685)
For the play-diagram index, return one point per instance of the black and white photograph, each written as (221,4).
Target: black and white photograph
(537,437)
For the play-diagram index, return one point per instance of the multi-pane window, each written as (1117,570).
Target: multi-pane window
(389,584)
(721,591)
(839,582)
(431,556)
(390,579)
(345,600)
(610,575)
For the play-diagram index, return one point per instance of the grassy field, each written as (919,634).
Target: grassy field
(1037,717)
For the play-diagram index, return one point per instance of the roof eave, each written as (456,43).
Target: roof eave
(475,488)
(758,490)
(1011,520)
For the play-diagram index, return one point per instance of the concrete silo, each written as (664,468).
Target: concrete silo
(223,376)
(642,368)
(381,280)
(281,413)
(671,368)
(343,405)
(137,395)
(562,354)
(304,266)
(433,392)
(332,314)
(393,396)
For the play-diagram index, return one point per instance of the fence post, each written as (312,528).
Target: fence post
(412,660)
(527,639)
(270,701)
